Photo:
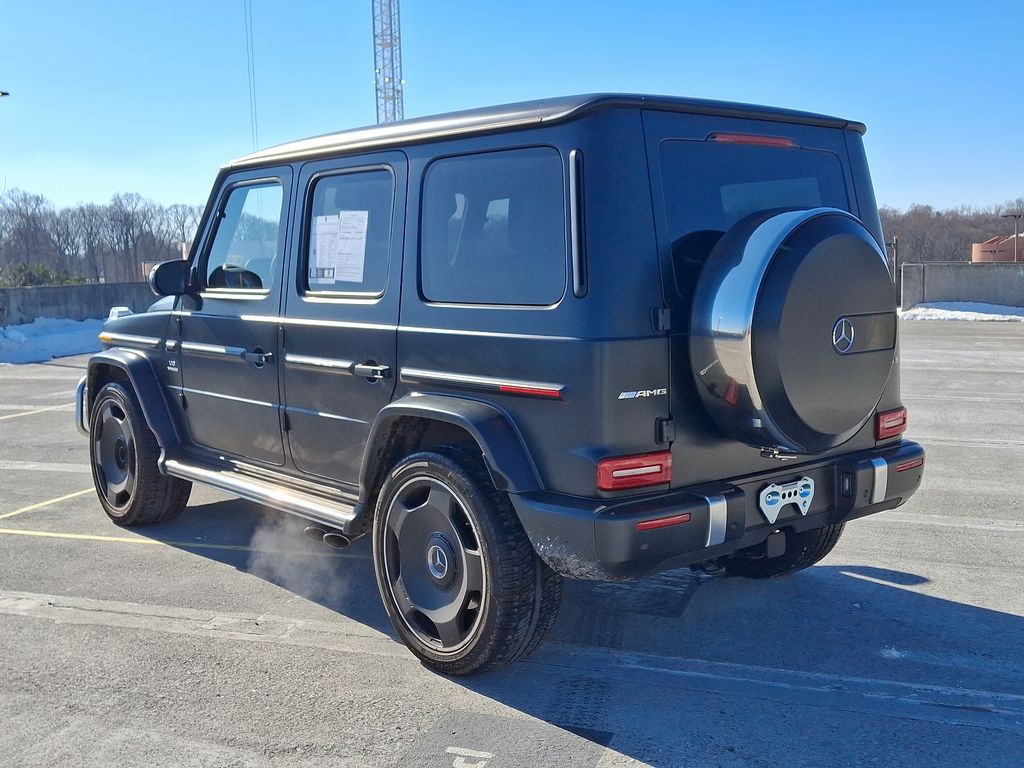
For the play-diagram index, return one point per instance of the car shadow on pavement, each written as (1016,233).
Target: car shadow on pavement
(834,626)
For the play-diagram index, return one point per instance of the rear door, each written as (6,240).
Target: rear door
(228,344)
(341,309)
(707,174)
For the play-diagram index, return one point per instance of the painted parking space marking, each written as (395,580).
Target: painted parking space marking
(19,414)
(177,544)
(41,466)
(42,504)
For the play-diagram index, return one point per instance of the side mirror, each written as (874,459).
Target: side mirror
(170,278)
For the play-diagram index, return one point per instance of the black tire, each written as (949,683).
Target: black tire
(123,454)
(499,601)
(802,551)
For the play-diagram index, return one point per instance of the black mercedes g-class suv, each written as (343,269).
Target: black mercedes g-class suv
(594,337)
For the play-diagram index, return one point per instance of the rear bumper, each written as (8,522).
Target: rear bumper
(599,539)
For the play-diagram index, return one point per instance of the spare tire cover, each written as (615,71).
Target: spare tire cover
(793,330)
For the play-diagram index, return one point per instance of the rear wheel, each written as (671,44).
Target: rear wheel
(124,454)
(457,574)
(802,551)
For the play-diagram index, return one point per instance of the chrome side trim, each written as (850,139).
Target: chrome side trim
(880,469)
(238,294)
(129,339)
(422,375)
(213,350)
(494,334)
(579,272)
(335,513)
(81,394)
(170,345)
(330,364)
(315,323)
(718,519)
(324,414)
(221,396)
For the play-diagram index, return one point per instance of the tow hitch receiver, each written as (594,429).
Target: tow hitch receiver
(774,497)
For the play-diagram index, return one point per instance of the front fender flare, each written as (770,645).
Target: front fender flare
(150,392)
(493,430)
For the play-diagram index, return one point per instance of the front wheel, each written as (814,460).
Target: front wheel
(124,455)
(458,576)
(802,551)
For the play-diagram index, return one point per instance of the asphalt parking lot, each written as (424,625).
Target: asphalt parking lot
(226,638)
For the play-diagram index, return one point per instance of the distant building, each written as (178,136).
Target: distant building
(997,249)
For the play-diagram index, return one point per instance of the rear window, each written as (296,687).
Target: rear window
(493,229)
(709,186)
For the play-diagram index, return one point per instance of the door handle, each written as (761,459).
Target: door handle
(258,357)
(371,370)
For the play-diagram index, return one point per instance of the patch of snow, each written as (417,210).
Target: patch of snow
(974,311)
(47,337)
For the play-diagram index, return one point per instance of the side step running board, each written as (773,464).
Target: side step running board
(336,514)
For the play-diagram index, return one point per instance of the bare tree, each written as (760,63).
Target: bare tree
(129,220)
(183,220)
(28,219)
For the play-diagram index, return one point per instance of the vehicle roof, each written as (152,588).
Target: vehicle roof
(521,115)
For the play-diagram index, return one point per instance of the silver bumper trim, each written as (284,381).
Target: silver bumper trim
(718,519)
(81,391)
(881,472)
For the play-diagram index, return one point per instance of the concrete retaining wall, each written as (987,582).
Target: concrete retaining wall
(961,281)
(75,302)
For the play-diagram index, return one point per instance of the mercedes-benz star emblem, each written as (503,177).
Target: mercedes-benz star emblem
(842,335)
(437,562)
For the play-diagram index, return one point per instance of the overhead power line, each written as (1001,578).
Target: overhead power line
(250,62)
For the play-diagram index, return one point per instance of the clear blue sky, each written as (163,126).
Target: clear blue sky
(123,96)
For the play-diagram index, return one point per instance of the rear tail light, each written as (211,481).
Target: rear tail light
(750,138)
(890,423)
(634,471)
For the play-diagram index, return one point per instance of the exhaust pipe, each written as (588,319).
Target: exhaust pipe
(337,540)
(314,532)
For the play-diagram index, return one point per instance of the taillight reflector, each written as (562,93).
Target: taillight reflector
(511,389)
(912,464)
(890,423)
(750,138)
(663,522)
(634,471)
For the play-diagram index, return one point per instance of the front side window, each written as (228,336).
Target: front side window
(348,233)
(493,229)
(246,246)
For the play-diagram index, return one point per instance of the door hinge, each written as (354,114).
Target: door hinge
(662,318)
(184,402)
(287,422)
(665,430)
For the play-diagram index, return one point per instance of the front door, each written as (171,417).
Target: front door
(229,341)
(341,309)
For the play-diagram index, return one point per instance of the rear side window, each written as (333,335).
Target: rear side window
(348,233)
(709,186)
(493,229)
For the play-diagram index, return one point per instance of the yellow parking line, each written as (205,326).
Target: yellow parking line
(42,504)
(178,544)
(35,410)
